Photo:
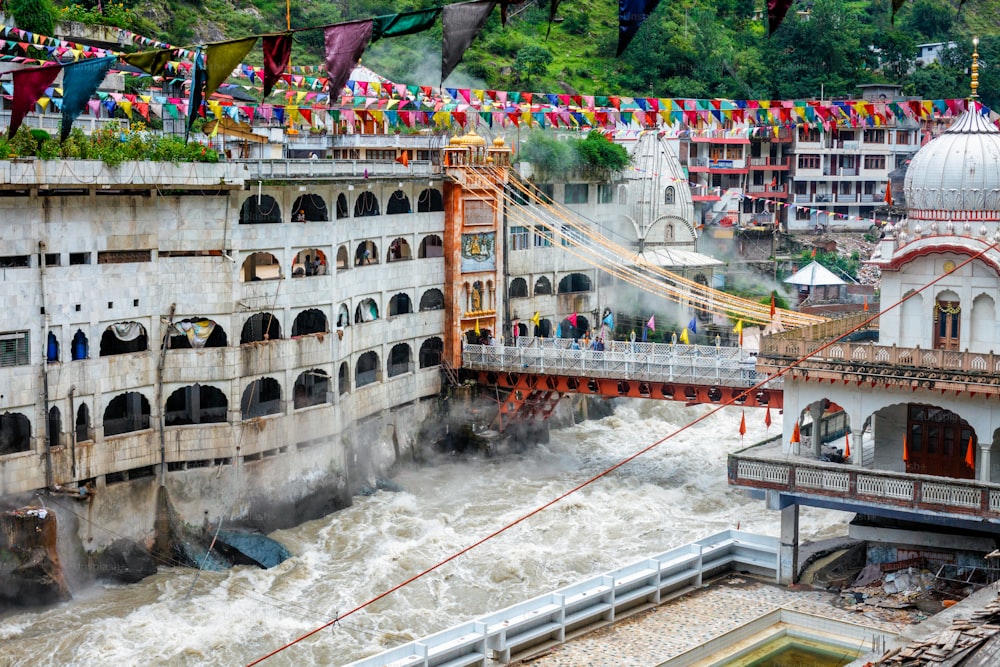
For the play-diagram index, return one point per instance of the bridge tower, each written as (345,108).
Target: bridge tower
(474,262)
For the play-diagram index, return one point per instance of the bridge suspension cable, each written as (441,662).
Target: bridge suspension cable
(580,239)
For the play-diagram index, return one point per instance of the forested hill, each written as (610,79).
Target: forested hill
(687,48)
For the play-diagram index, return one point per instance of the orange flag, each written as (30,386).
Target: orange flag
(404,159)
(743,425)
(970,455)
(906,452)
(767,417)
(847,446)
(866,304)
(888,193)
(795,434)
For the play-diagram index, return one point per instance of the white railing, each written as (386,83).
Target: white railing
(946,494)
(264,170)
(700,364)
(501,636)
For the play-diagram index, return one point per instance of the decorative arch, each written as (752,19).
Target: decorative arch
(84,430)
(260,266)
(399,249)
(311,388)
(622,195)
(343,261)
(309,262)
(124,338)
(310,321)
(341,206)
(431,246)
(431,351)
(398,203)
(366,253)
(54,427)
(367,311)
(366,371)
(52,349)
(518,288)
(126,413)
(432,299)
(80,348)
(261,398)
(400,360)
(668,195)
(947,321)
(310,208)
(197,332)
(430,200)
(196,404)
(344,378)
(366,205)
(983,322)
(400,304)
(15,433)
(260,209)
(543,286)
(343,316)
(668,232)
(575,282)
(261,327)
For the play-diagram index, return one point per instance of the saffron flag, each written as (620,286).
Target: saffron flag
(153,63)
(776,10)
(767,417)
(813,255)
(888,193)
(743,425)
(572,319)
(906,451)
(866,304)
(738,329)
(847,446)
(684,337)
(222,58)
(631,15)
(693,325)
(277,51)
(404,159)
(29,84)
(80,80)
(343,45)
(970,455)
(405,23)
(460,23)
(536,319)
(796,437)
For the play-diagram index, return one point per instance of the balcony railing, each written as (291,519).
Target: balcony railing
(286,169)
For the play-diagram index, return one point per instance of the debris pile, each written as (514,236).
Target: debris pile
(906,595)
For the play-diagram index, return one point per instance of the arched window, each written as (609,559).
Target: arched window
(399,360)
(341,206)
(195,404)
(124,338)
(431,246)
(518,288)
(430,352)
(83,430)
(260,266)
(15,433)
(668,232)
(367,311)
(544,329)
(622,194)
(309,262)
(344,379)
(260,327)
(343,263)
(260,398)
(399,249)
(543,286)
(574,282)
(400,305)
(309,208)
(311,388)
(366,371)
(126,413)
(432,299)
(310,321)
(668,195)
(54,427)
(343,316)
(430,200)
(81,346)
(366,253)
(52,350)
(260,209)
(366,205)
(197,332)
(398,203)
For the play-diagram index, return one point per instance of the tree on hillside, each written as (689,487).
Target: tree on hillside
(532,62)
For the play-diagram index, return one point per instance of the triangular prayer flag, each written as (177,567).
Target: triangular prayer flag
(888,193)
(651,324)
(572,320)
(153,63)
(767,417)
(277,51)
(693,325)
(796,438)
(222,58)
(405,23)
(194,101)
(460,23)
(80,80)
(738,329)
(29,85)
(684,337)
(847,445)
(631,15)
(970,455)
(906,450)
(344,43)
(404,159)
(743,425)
(776,10)
(536,319)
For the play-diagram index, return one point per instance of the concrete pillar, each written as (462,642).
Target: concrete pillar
(788,549)
(816,410)
(857,450)
(983,465)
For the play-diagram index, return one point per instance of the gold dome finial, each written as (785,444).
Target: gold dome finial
(975,67)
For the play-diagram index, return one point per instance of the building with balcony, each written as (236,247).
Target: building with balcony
(895,420)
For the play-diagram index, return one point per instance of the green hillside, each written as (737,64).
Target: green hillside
(687,48)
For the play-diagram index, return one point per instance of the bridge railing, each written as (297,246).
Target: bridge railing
(498,637)
(624,360)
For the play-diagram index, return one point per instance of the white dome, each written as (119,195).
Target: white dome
(959,170)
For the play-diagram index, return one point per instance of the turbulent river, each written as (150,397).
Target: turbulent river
(671,495)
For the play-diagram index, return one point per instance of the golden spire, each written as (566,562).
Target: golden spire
(975,67)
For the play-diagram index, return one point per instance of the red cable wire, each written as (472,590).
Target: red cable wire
(731,401)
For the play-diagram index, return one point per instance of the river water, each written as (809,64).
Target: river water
(667,497)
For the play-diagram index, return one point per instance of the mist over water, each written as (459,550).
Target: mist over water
(671,495)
